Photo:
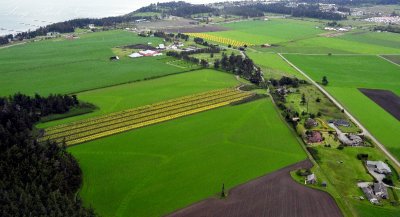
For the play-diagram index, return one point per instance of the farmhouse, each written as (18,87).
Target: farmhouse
(340,122)
(379,167)
(148,53)
(314,137)
(381,190)
(135,55)
(370,194)
(350,140)
(311,123)
(311,179)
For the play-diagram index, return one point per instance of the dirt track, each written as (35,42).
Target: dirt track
(385,99)
(276,194)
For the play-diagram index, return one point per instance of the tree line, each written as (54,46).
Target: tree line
(36,179)
(388,28)
(179,8)
(70,26)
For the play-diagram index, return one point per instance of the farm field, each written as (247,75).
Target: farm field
(273,65)
(127,96)
(187,161)
(107,125)
(269,32)
(65,66)
(345,75)
(349,43)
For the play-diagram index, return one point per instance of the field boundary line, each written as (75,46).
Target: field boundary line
(365,131)
(380,56)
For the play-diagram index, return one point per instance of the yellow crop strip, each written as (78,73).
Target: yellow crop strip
(219,39)
(94,128)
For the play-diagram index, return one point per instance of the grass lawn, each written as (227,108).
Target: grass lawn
(344,176)
(272,31)
(140,174)
(273,66)
(137,94)
(65,66)
(345,75)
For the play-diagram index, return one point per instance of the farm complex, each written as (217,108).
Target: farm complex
(215,113)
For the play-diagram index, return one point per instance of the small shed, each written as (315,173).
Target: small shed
(311,179)
(114,58)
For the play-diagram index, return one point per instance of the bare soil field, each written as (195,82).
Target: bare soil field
(139,46)
(166,24)
(393,58)
(385,99)
(196,29)
(275,194)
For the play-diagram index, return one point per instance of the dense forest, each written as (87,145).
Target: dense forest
(354,2)
(180,9)
(36,179)
(312,11)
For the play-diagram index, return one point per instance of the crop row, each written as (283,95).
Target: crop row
(143,114)
(149,122)
(160,114)
(219,39)
(129,112)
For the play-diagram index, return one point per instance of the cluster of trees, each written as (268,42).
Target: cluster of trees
(36,179)
(239,65)
(168,36)
(287,81)
(185,56)
(388,28)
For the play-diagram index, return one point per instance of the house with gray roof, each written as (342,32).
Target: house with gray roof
(370,195)
(381,190)
(379,167)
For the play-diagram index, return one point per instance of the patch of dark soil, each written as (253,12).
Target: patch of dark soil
(275,194)
(197,29)
(385,99)
(139,46)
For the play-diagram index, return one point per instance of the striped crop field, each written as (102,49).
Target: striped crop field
(220,39)
(95,128)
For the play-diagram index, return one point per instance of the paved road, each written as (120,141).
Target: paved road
(365,131)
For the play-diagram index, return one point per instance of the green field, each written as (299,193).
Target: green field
(65,66)
(270,32)
(140,174)
(137,94)
(345,75)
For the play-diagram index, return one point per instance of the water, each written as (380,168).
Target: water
(24,15)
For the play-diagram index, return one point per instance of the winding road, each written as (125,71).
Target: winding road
(365,131)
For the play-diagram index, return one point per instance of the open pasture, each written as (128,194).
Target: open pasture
(65,66)
(348,73)
(349,43)
(272,31)
(139,174)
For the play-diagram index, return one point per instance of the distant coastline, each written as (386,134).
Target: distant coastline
(20,16)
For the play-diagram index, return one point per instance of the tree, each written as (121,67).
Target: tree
(223,195)
(303,99)
(217,64)
(318,99)
(211,55)
(325,81)
(204,63)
